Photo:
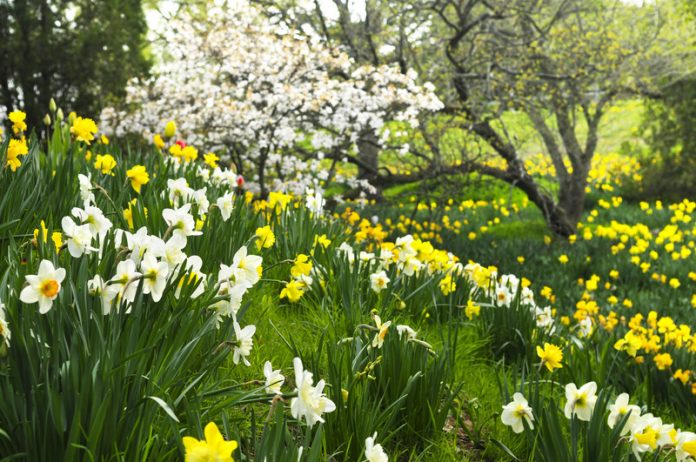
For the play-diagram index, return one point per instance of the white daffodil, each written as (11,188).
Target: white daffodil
(245,269)
(619,409)
(685,447)
(404,245)
(314,202)
(374,452)
(244,342)
(516,413)
(226,204)
(379,281)
(106,292)
(85,189)
(581,401)
(4,326)
(154,276)
(503,296)
(92,216)
(346,250)
(382,330)
(274,379)
(201,200)
(173,252)
(366,257)
(78,237)
(179,191)
(44,286)
(411,266)
(403,329)
(180,221)
(125,280)
(137,243)
(310,402)
(645,434)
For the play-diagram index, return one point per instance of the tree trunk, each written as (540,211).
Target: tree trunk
(368,159)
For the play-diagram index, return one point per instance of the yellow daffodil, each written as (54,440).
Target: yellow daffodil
(264,237)
(83,129)
(551,356)
(293,291)
(211,159)
(302,266)
(138,177)
(213,449)
(15,149)
(18,121)
(105,163)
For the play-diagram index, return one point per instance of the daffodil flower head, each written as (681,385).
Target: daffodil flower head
(213,448)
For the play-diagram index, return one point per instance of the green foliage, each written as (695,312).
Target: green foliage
(60,49)
(669,162)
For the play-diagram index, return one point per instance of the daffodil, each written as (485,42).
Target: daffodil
(382,329)
(15,149)
(374,452)
(551,356)
(244,343)
(5,332)
(83,129)
(154,276)
(105,163)
(43,287)
(158,141)
(264,237)
(580,401)
(180,221)
(379,281)
(619,410)
(213,449)
(472,309)
(138,177)
(302,266)
(516,413)
(274,379)
(211,159)
(310,402)
(18,121)
(293,291)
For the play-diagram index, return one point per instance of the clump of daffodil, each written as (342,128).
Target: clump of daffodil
(83,129)
(213,448)
(138,177)
(551,356)
(264,237)
(105,163)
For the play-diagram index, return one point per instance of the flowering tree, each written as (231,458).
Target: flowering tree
(276,104)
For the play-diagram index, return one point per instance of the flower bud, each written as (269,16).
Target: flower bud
(240,181)
(169,129)
(47,120)
(59,115)
(71,117)
(52,105)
